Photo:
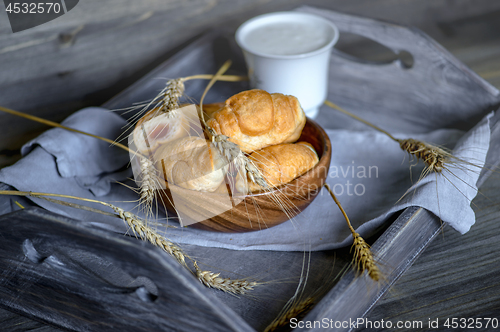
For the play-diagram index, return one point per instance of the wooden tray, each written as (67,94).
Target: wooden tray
(66,273)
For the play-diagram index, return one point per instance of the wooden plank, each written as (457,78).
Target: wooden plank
(437,91)
(396,250)
(399,246)
(68,274)
(416,281)
(10,321)
(476,43)
(457,276)
(86,56)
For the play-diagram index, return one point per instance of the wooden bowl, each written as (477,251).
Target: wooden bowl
(254,211)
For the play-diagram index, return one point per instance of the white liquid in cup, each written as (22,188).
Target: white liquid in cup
(288,38)
(289,52)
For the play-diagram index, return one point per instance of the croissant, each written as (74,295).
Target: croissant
(280,164)
(191,163)
(255,119)
(210,109)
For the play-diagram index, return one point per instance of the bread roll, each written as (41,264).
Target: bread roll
(210,109)
(255,119)
(280,164)
(191,163)
(156,128)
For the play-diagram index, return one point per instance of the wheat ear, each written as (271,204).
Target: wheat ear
(168,103)
(176,87)
(147,184)
(363,258)
(174,90)
(231,151)
(296,311)
(141,229)
(138,226)
(228,285)
(434,157)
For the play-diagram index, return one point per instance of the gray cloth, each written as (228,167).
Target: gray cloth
(368,172)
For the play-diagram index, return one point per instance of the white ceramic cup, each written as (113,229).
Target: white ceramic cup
(289,53)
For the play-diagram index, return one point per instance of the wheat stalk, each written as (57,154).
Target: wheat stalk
(147,181)
(173,91)
(139,227)
(228,285)
(57,125)
(231,151)
(143,231)
(434,157)
(147,184)
(169,102)
(209,279)
(363,258)
(225,78)
(295,311)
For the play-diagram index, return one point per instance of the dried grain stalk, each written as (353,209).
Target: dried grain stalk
(230,150)
(228,285)
(297,311)
(434,157)
(141,229)
(363,258)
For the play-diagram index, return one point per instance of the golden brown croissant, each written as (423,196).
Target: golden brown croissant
(210,109)
(280,164)
(191,163)
(255,119)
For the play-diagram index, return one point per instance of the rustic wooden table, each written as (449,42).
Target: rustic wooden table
(96,50)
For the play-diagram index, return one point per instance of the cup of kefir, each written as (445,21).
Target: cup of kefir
(289,53)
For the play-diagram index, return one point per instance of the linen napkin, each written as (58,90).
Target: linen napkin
(369,173)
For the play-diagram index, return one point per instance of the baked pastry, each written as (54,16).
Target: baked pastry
(192,163)
(280,164)
(255,119)
(252,119)
(156,128)
(210,109)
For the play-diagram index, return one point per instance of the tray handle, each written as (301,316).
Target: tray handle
(66,273)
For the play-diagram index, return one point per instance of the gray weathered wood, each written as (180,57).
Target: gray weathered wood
(11,321)
(457,275)
(71,275)
(97,49)
(396,250)
(320,260)
(437,91)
